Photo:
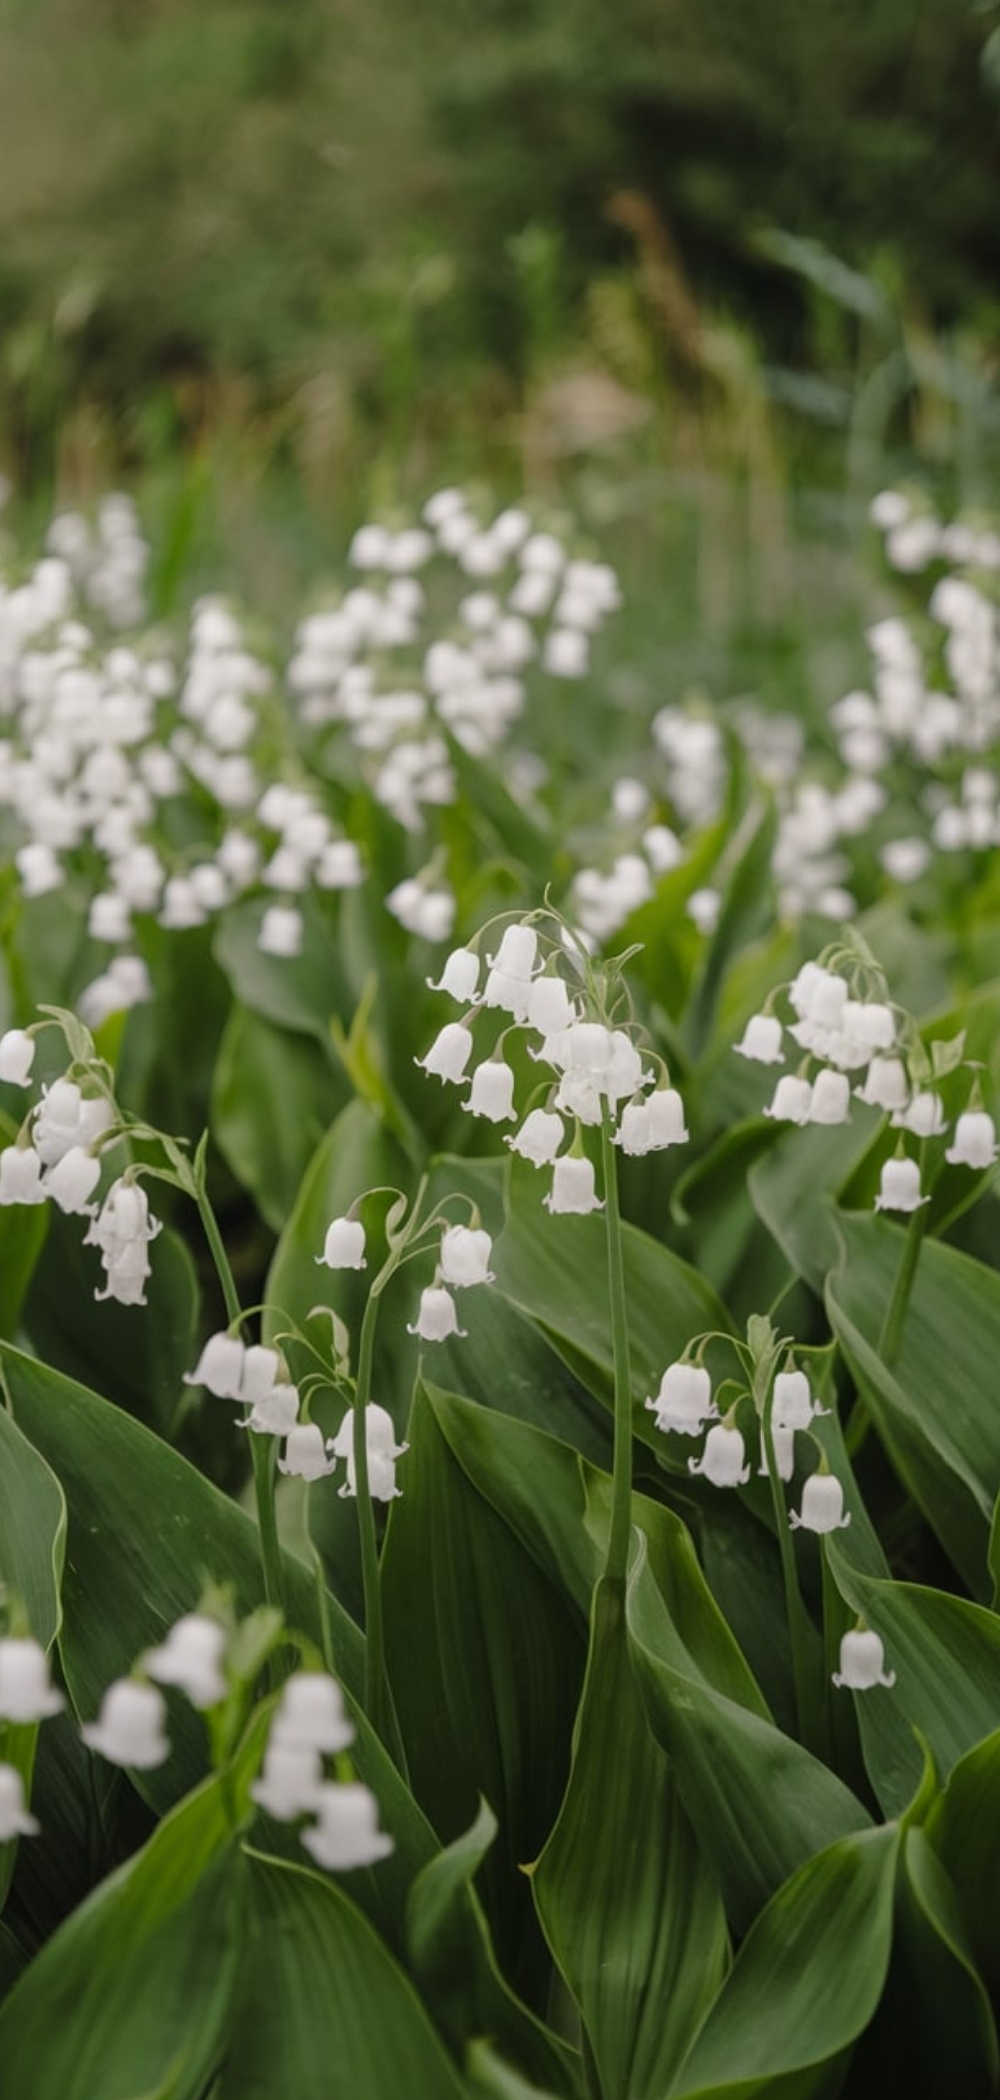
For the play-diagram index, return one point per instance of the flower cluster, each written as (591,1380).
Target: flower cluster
(256,1377)
(311,1723)
(597,1069)
(838,1035)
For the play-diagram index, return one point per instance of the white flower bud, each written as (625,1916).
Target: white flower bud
(17,1053)
(25,1691)
(130,1728)
(550,1008)
(518,952)
(347,1833)
(344,1245)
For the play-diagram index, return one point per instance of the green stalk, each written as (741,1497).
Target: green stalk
(376,1702)
(798,1620)
(616,1563)
(262,1449)
(891,1336)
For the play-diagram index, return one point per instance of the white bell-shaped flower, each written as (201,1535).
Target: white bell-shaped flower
(346,1834)
(517,954)
(191,1658)
(899,1186)
(579,1094)
(723,1460)
(131,1726)
(666,1118)
(862,1662)
(822,1505)
(783,1439)
(573,1187)
(465,1256)
(684,1402)
(792,1100)
(449,1052)
(975,1140)
(492,1093)
(290,1781)
(311,1714)
(219,1367)
(633,1132)
(275,1413)
(459,976)
(761,1040)
(538,1139)
(344,1245)
(437,1316)
(830,1098)
(15,1819)
(886,1084)
(21,1175)
(381,1449)
(260,1374)
(282,931)
(26,1693)
(17,1055)
(924,1116)
(793,1405)
(550,1008)
(306,1453)
(72,1181)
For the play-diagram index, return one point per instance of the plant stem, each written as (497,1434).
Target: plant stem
(798,1620)
(375,1682)
(891,1334)
(262,1449)
(616,1563)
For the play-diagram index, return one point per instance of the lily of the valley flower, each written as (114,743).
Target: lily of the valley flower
(449,1052)
(822,1505)
(459,977)
(573,1187)
(344,1245)
(793,1405)
(311,1714)
(465,1256)
(761,1041)
(21,1175)
(306,1452)
(437,1316)
(26,1693)
(684,1402)
(792,1100)
(17,1055)
(492,1092)
(130,1728)
(381,1448)
(191,1658)
(723,1459)
(289,1782)
(862,1662)
(975,1140)
(346,1833)
(899,1186)
(538,1139)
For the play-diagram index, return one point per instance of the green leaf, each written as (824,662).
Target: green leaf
(629,1908)
(806,1981)
(274,1095)
(934,1406)
(485,1661)
(322,2010)
(23,1229)
(760,1804)
(146,1533)
(451,1956)
(946,1655)
(122,2000)
(964,1828)
(32,1531)
(556,1270)
(934,2030)
(299,992)
(792,1189)
(356,1154)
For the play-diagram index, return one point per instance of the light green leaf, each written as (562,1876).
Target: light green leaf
(32,1531)
(322,2011)
(122,2001)
(806,1981)
(299,992)
(964,1828)
(274,1095)
(934,2031)
(627,1902)
(934,1406)
(792,1189)
(23,1230)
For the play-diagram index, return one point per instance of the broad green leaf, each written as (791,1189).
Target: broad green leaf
(355,1155)
(146,1532)
(274,1096)
(451,1956)
(792,1189)
(946,1655)
(299,992)
(136,1355)
(23,1229)
(32,1547)
(713,1206)
(12,1959)
(322,2011)
(934,2031)
(745,866)
(964,1828)
(556,1270)
(122,2001)
(934,1406)
(628,1905)
(806,1981)
(32,1531)
(760,1804)
(485,1661)
(504,1361)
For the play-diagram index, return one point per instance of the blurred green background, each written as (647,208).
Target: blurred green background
(702,274)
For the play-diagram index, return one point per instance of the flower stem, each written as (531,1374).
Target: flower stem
(891,1335)
(798,1620)
(616,1563)
(262,1448)
(375,1680)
